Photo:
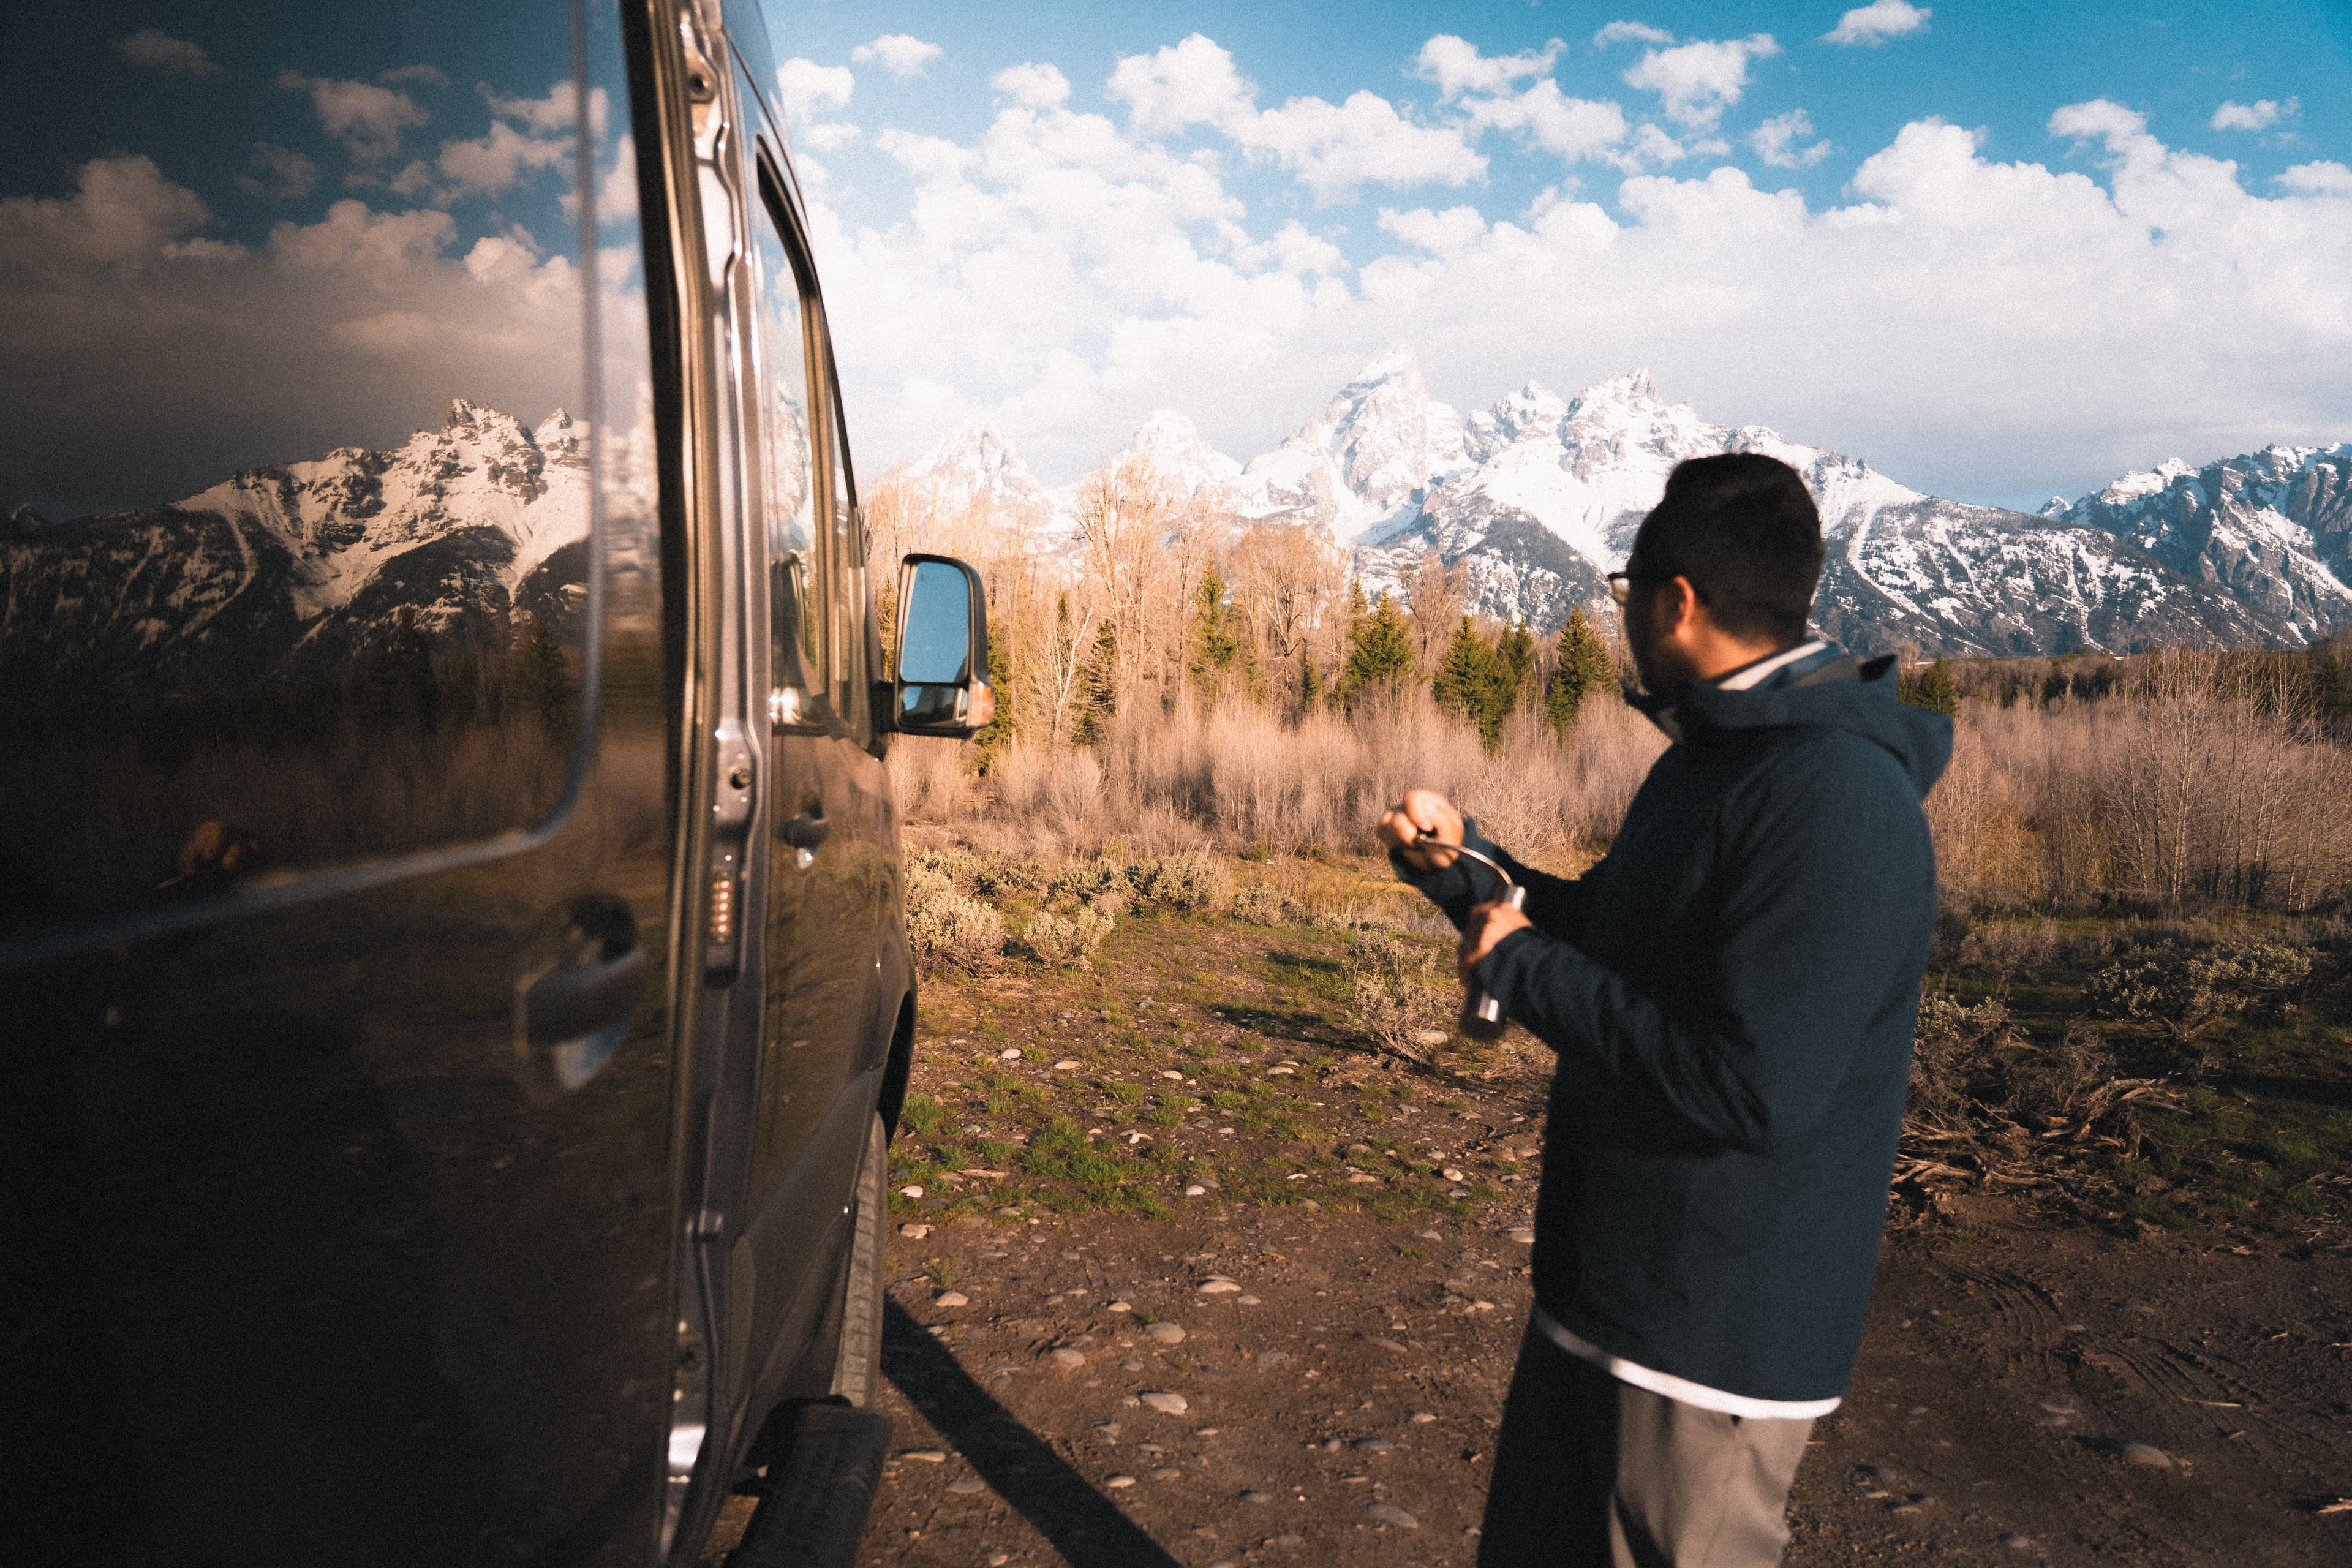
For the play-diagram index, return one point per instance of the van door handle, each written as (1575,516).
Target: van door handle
(571,1017)
(805,831)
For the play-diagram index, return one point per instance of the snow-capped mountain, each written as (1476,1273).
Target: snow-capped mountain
(1548,493)
(1173,446)
(1361,467)
(977,468)
(2272,526)
(294,567)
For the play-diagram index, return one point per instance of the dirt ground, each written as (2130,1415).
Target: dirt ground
(1185,1272)
(1361,1365)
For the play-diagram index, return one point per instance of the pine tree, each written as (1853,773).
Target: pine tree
(1310,683)
(1584,668)
(993,739)
(1216,650)
(1380,648)
(1517,651)
(1474,681)
(1098,688)
(1932,688)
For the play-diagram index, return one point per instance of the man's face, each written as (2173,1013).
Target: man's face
(1657,659)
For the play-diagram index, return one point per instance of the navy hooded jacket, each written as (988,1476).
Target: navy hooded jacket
(1731,993)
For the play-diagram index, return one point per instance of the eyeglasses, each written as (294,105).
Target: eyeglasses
(1621,583)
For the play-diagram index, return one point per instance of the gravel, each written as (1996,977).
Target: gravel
(1389,1513)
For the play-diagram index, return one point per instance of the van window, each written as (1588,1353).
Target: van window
(294,536)
(846,569)
(788,452)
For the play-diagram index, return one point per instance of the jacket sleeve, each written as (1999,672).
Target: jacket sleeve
(1821,899)
(1555,904)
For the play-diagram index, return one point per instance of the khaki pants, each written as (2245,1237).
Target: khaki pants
(1593,1473)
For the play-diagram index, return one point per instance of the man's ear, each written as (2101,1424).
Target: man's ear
(1682,616)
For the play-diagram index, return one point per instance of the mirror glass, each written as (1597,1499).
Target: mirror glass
(935,648)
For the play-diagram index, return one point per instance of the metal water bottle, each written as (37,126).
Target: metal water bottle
(1482,1011)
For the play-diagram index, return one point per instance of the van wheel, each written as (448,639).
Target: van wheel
(858,1363)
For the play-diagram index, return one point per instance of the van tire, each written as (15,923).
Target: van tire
(857,1362)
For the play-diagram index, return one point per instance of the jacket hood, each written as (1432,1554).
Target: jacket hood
(1830,689)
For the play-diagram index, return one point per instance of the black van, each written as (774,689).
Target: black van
(453,975)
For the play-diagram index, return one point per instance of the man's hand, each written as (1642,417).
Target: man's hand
(1486,925)
(1418,827)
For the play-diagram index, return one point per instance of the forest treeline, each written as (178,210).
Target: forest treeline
(1171,677)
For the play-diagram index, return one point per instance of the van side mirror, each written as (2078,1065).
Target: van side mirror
(941,663)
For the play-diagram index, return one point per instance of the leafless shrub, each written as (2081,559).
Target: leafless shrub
(1398,996)
(945,927)
(1189,883)
(1071,941)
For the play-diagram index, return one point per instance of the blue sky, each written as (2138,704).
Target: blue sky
(1997,249)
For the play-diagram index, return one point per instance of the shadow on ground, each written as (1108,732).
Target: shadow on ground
(1085,1527)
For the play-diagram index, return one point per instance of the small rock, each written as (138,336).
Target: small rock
(1268,1360)
(914,1232)
(1166,1473)
(965,1486)
(1065,1358)
(1009,1053)
(911,1191)
(1123,1307)
(1217,1285)
(1429,1036)
(1421,1417)
(926,1456)
(1166,1333)
(1373,1445)
(1915,1503)
(2015,1541)
(1289,1540)
(1524,1234)
(1332,1445)
(1130,1366)
(1166,1403)
(1247,1301)
(1430,1235)
(1364,1178)
(1389,1513)
(1260,1499)
(2155,1458)
(1454,1174)
(1204,1431)
(1196,1191)
(1171,1073)
(1282,1072)
(999,1559)
(1868,1476)
(1066,1064)
(1115,1482)
(950,1299)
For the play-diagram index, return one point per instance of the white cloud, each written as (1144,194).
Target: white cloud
(352,330)
(555,111)
(1456,66)
(283,174)
(1033,85)
(1775,140)
(1544,117)
(1062,276)
(903,55)
(1195,82)
(418,75)
(367,119)
(2323,179)
(828,136)
(810,89)
(159,51)
(1443,233)
(2260,115)
(1696,81)
(1331,148)
(494,164)
(1630,33)
(1874,24)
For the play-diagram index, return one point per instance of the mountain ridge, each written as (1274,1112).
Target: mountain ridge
(1538,497)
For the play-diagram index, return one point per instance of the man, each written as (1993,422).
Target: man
(1731,993)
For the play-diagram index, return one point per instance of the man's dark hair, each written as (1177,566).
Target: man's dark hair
(1742,527)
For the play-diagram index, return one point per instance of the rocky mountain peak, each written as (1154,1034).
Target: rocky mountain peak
(1175,447)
